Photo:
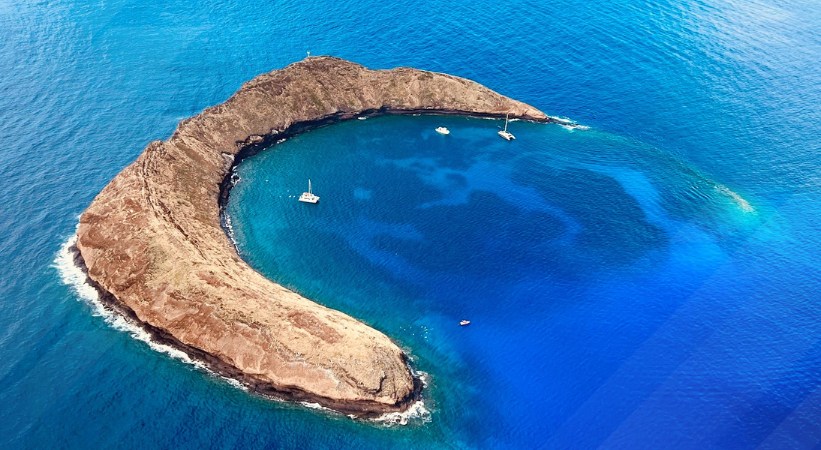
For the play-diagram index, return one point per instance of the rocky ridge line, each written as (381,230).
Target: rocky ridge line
(153,244)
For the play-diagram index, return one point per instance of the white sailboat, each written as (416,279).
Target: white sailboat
(506,135)
(308,197)
(442,130)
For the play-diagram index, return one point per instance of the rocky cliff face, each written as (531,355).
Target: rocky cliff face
(152,240)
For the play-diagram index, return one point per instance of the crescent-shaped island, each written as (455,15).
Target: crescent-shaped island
(153,244)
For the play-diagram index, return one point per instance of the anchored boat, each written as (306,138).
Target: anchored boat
(506,135)
(308,197)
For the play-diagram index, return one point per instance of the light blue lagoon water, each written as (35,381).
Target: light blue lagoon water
(651,282)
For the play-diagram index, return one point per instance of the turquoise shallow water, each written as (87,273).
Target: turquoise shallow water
(650,282)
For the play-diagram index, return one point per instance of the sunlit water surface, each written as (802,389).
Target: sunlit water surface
(651,282)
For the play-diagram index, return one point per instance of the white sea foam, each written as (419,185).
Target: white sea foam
(417,412)
(739,200)
(229,230)
(569,124)
(316,406)
(74,277)
(562,120)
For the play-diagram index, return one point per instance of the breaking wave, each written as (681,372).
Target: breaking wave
(416,413)
(73,276)
(569,124)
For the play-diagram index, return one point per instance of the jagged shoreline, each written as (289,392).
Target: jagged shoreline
(154,245)
(220,368)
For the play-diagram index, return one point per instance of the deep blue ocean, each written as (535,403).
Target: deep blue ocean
(650,282)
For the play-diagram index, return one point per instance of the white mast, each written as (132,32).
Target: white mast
(309,197)
(506,135)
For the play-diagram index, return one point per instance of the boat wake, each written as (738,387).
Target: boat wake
(73,276)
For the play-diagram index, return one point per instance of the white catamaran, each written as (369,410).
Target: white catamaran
(506,135)
(308,197)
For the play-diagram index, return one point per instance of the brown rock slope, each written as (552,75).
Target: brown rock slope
(153,244)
